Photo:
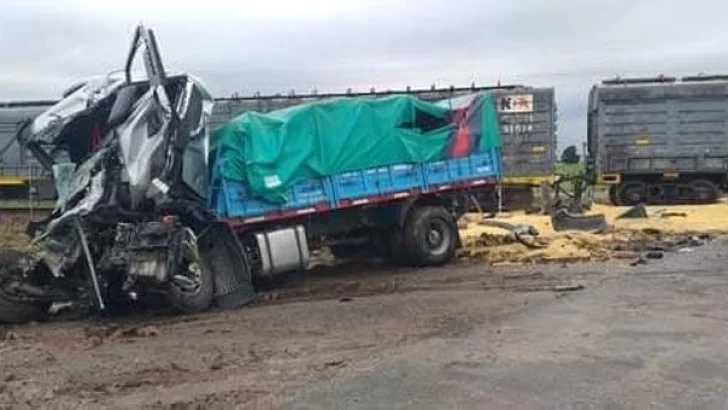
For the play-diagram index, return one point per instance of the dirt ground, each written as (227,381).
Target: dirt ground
(357,336)
(363,335)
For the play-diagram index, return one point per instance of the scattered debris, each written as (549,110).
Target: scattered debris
(652,231)
(218,362)
(637,211)
(11,336)
(522,233)
(335,363)
(620,254)
(144,331)
(563,220)
(568,288)
(673,214)
(58,308)
(524,275)
(517,229)
(639,261)
(655,255)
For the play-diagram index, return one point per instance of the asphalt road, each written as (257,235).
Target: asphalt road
(650,336)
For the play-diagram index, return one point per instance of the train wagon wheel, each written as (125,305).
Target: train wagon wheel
(704,190)
(631,193)
(613,199)
(656,194)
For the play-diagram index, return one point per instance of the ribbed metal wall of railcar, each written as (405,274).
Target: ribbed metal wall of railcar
(662,141)
(17,166)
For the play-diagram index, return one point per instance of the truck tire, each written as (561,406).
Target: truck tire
(192,301)
(13,311)
(196,298)
(705,191)
(430,236)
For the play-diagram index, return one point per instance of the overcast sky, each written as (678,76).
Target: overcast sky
(278,45)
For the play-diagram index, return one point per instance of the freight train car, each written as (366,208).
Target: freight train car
(18,168)
(527,117)
(660,140)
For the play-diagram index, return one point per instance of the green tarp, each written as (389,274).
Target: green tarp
(274,150)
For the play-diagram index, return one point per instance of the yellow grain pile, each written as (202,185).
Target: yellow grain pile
(497,246)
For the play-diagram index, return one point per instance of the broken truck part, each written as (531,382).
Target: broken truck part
(152,206)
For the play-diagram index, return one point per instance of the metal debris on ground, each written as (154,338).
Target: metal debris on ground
(524,275)
(562,220)
(568,288)
(668,214)
(639,261)
(522,233)
(637,211)
(655,255)
(11,336)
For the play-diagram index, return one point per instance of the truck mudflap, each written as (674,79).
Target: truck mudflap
(226,257)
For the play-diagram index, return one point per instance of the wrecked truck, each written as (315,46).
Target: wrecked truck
(152,206)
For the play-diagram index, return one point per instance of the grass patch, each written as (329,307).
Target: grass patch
(26,204)
(570,170)
(12,235)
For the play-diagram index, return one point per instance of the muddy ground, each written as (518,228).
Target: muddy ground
(367,336)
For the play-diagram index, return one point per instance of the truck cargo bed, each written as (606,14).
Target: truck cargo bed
(229,199)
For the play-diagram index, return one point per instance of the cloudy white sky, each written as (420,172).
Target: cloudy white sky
(278,45)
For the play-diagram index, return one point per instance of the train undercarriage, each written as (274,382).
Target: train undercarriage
(657,190)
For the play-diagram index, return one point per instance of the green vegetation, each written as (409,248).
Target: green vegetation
(569,170)
(26,204)
(12,235)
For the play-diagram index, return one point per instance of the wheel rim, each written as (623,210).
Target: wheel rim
(190,267)
(437,237)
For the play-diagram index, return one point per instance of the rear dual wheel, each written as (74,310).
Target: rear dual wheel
(429,237)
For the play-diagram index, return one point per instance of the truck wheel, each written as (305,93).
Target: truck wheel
(631,193)
(430,236)
(13,311)
(191,286)
(705,191)
(193,293)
